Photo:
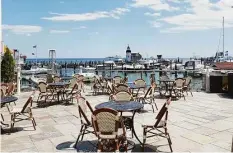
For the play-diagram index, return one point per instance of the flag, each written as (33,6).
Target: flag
(34,46)
(226,53)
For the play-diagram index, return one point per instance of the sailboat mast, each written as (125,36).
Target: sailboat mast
(223,36)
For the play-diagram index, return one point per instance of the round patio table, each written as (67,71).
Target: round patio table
(123,106)
(133,87)
(8,99)
(58,86)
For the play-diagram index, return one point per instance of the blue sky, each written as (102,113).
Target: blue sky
(91,28)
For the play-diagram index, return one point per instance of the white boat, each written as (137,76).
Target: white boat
(107,65)
(88,73)
(176,66)
(193,65)
(36,70)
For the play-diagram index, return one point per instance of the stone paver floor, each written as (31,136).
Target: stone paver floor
(202,123)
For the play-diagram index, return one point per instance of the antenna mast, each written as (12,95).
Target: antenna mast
(223,36)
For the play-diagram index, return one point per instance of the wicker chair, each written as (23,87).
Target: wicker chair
(71,94)
(140,84)
(72,82)
(110,90)
(122,96)
(109,130)
(187,84)
(117,80)
(149,97)
(98,86)
(155,130)
(125,80)
(11,88)
(56,79)
(2,94)
(86,125)
(178,88)
(24,113)
(44,93)
(121,87)
(4,89)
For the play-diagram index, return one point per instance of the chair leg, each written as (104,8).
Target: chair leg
(12,122)
(83,132)
(100,147)
(152,107)
(191,93)
(80,133)
(144,139)
(34,121)
(168,139)
(38,98)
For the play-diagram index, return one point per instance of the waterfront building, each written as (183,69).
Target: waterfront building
(132,57)
(128,54)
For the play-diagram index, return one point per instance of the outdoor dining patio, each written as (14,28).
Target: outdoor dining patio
(195,122)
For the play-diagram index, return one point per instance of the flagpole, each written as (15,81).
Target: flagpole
(36,55)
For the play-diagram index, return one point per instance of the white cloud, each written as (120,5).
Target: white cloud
(156,5)
(152,14)
(81,27)
(175,1)
(58,31)
(203,15)
(94,33)
(22,29)
(155,24)
(87,16)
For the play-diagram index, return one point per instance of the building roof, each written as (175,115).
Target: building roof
(128,50)
(223,66)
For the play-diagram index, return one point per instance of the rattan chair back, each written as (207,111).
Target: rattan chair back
(163,112)
(42,87)
(140,83)
(72,82)
(179,82)
(121,87)
(117,80)
(188,81)
(106,122)
(123,96)
(4,89)
(29,101)
(56,79)
(1,94)
(83,106)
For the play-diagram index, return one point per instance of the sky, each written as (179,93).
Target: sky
(101,28)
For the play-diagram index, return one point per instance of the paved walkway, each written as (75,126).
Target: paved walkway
(201,123)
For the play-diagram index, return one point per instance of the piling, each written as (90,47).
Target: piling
(176,71)
(152,78)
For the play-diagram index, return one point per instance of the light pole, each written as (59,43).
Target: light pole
(18,68)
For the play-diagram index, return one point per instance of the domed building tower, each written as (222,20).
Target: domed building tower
(128,54)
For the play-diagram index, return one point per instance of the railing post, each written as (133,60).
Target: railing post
(207,83)
(176,71)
